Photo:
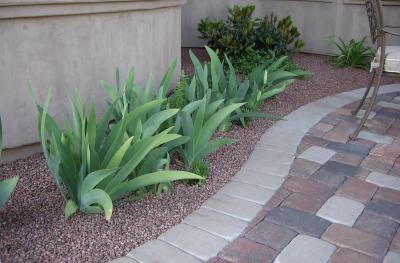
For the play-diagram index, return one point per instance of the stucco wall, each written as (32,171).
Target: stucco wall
(65,44)
(316,19)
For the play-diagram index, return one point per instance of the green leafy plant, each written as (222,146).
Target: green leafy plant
(212,31)
(157,117)
(269,38)
(129,96)
(234,36)
(177,98)
(7,186)
(287,30)
(198,121)
(215,84)
(245,64)
(356,54)
(94,163)
(242,36)
(200,168)
(270,80)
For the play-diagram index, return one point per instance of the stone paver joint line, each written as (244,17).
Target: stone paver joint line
(305,249)
(375,137)
(258,178)
(216,223)
(233,206)
(341,210)
(385,209)
(392,257)
(384,180)
(166,253)
(361,113)
(299,221)
(249,192)
(317,154)
(389,105)
(357,240)
(194,241)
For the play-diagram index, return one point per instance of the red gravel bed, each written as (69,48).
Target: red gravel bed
(32,226)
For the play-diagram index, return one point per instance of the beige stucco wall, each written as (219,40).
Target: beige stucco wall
(64,44)
(316,19)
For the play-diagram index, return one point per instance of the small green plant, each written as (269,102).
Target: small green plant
(246,63)
(129,96)
(200,168)
(289,32)
(212,31)
(268,80)
(356,54)
(177,99)
(157,114)
(235,36)
(269,38)
(7,186)
(215,82)
(94,163)
(197,122)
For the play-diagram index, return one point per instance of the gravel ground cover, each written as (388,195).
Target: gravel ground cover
(32,227)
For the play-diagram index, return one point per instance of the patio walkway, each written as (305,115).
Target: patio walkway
(306,194)
(341,200)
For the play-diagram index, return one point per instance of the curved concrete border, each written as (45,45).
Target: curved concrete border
(225,215)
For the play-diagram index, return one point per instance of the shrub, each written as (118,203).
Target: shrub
(287,30)
(241,35)
(130,96)
(212,31)
(216,83)
(177,98)
(200,168)
(7,186)
(156,114)
(246,64)
(198,121)
(215,97)
(213,82)
(356,54)
(271,79)
(94,163)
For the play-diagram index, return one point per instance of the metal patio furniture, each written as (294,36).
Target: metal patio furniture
(389,63)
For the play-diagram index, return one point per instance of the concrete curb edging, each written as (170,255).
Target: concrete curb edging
(223,217)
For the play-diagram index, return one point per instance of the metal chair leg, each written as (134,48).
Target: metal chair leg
(370,106)
(354,112)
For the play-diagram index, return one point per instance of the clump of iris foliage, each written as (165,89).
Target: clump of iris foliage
(7,186)
(126,151)
(213,89)
(249,41)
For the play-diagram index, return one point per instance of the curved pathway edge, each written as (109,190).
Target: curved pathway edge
(224,216)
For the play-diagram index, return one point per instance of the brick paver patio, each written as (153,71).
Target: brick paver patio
(341,200)
(306,194)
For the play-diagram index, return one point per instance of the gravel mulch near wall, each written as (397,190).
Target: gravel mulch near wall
(32,227)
